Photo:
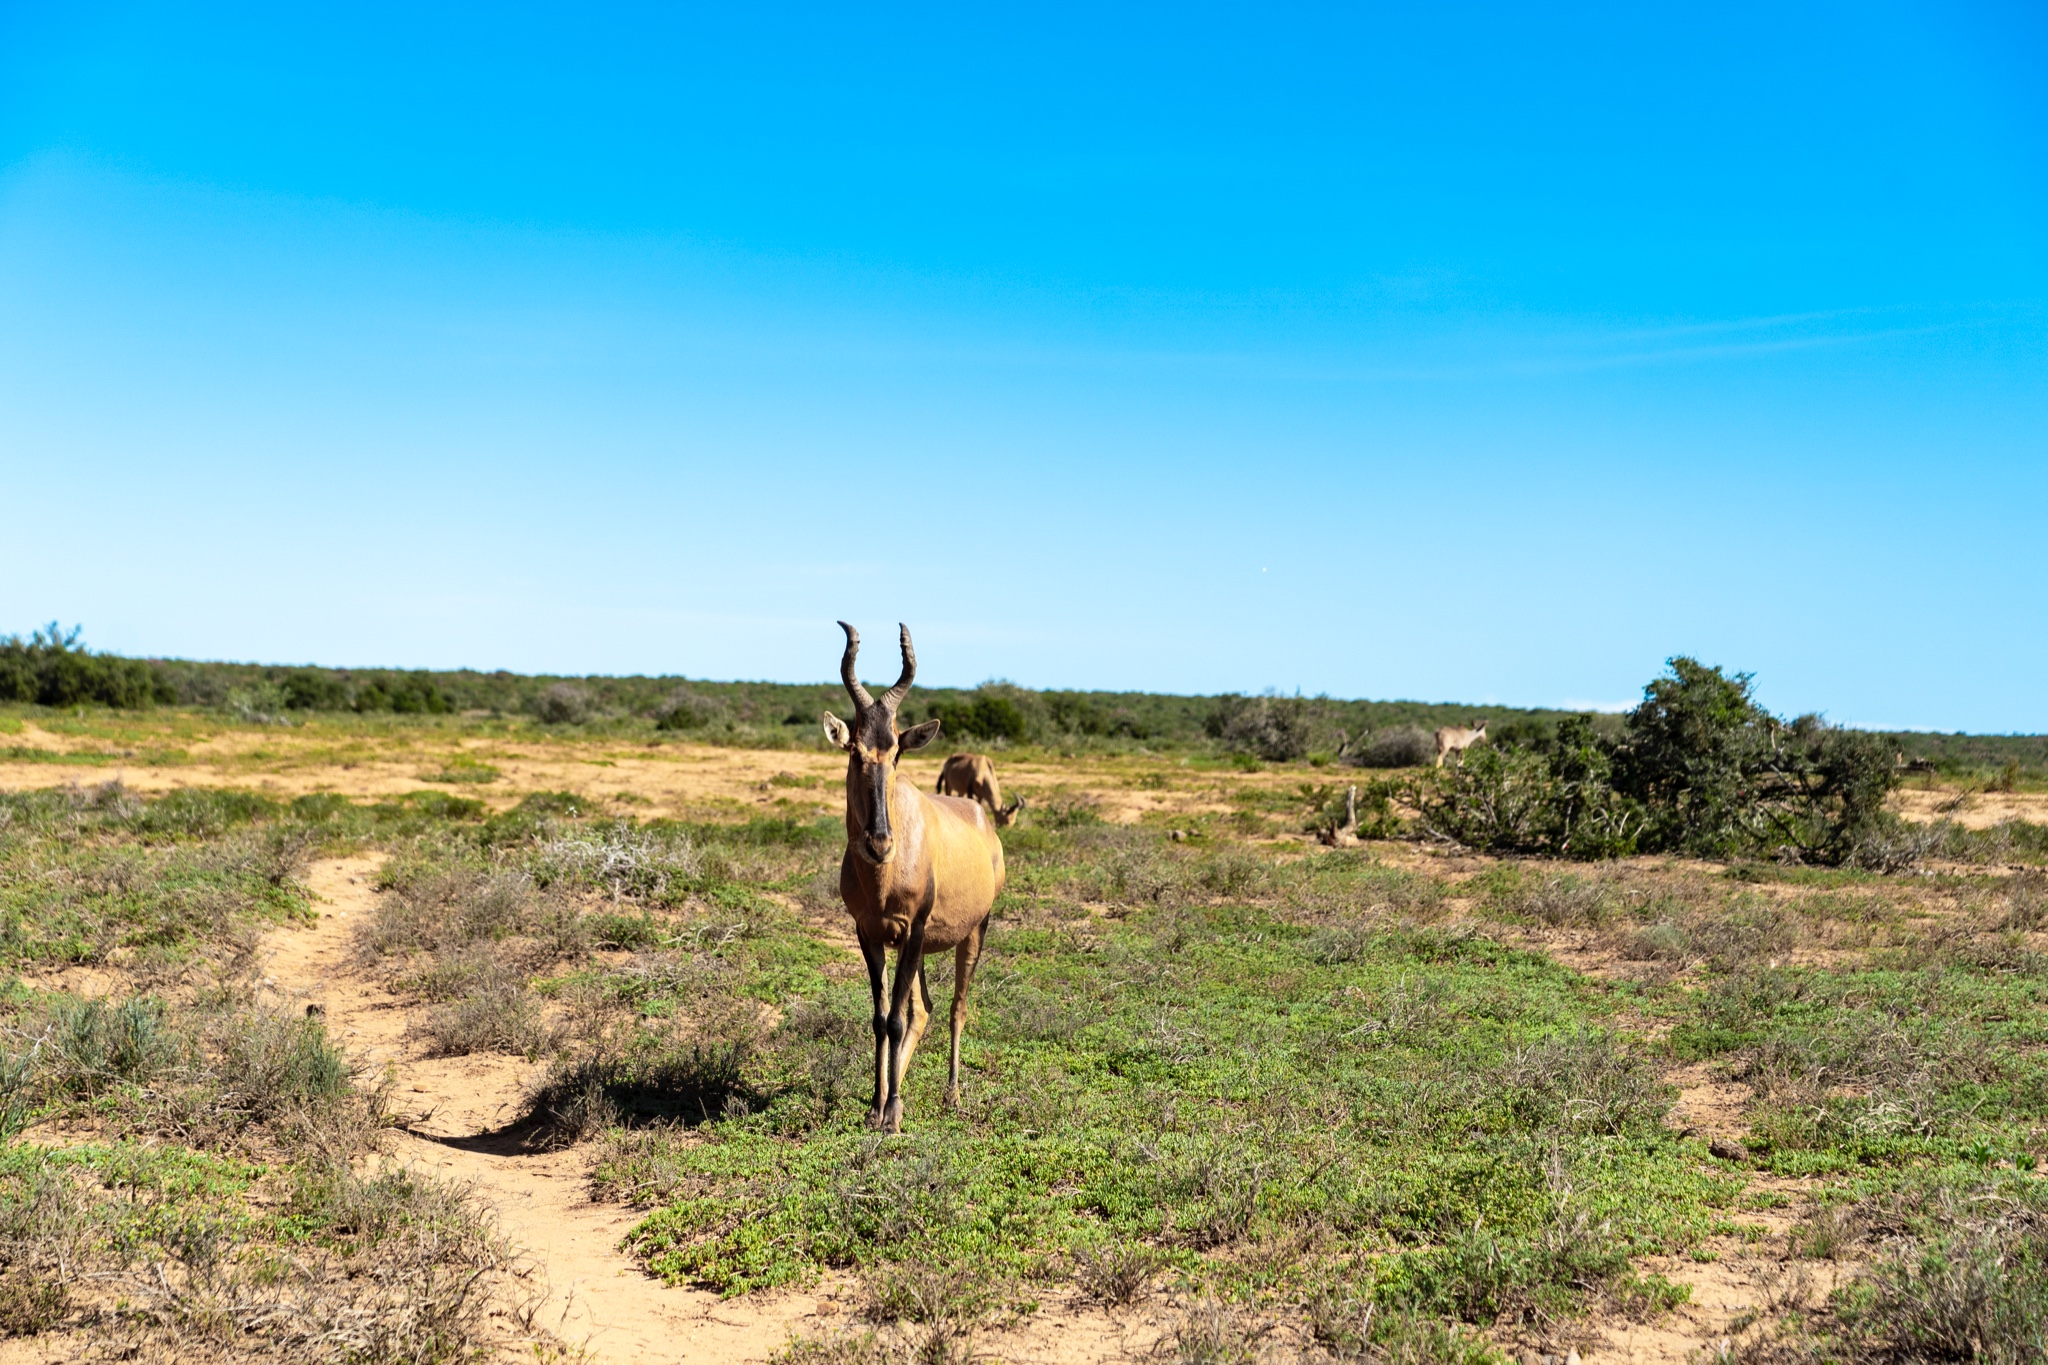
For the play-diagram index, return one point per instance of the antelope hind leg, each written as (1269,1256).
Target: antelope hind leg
(965,958)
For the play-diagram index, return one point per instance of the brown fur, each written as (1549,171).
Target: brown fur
(973,776)
(919,875)
(1453,740)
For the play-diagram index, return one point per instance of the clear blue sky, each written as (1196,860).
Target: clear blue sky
(1480,353)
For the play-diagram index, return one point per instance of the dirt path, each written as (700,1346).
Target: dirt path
(599,1299)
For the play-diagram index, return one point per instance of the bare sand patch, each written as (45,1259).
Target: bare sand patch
(1972,810)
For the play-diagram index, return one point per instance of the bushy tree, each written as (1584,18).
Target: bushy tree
(1272,728)
(1698,768)
(983,716)
(1698,756)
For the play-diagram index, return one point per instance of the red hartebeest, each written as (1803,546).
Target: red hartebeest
(919,875)
(973,776)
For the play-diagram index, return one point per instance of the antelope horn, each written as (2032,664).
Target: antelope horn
(893,698)
(861,700)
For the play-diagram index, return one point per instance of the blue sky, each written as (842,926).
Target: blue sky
(1474,353)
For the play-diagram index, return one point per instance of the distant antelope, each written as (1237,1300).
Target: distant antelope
(1452,740)
(920,874)
(973,776)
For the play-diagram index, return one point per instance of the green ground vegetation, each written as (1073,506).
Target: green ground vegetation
(187,1173)
(1354,1089)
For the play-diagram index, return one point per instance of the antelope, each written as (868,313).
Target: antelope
(920,875)
(973,776)
(1452,740)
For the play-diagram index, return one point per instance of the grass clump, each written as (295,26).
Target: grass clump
(462,768)
(1964,1278)
(216,1193)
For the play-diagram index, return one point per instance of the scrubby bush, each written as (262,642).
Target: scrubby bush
(985,716)
(51,668)
(687,710)
(407,694)
(1967,1281)
(564,703)
(1076,713)
(1403,746)
(1698,768)
(1276,729)
(311,689)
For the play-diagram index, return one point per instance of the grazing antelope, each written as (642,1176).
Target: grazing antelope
(973,776)
(919,875)
(1452,740)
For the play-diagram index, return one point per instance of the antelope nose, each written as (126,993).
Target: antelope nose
(879,848)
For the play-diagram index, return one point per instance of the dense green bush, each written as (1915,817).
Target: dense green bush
(1698,768)
(982,717)
(51,668)
(308,689)
(407,694)
(1277,729)
(1078,713)
(688,710)
(1402,746)
(563,704)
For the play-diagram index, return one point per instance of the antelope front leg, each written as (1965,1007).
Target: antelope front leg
(877,957)
(909,962)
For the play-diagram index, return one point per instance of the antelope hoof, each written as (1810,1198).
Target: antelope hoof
(951,1099)
(892,1117)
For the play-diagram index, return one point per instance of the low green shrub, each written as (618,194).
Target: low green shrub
(684,709)
(1403,746)
(563,703)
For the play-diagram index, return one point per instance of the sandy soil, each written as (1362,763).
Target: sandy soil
(664,778)
(1972,810)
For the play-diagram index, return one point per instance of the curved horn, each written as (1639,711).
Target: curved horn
(893,698)
(861,699)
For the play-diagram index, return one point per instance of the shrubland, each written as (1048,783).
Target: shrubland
(1350,1094)
(187,1171)
(51,668)
(1416,1099)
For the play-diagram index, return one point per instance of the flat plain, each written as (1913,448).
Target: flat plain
(448,1037)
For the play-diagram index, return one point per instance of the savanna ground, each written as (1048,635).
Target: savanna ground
(426,1038)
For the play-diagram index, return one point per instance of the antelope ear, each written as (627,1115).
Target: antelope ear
(917,736)
(836,733)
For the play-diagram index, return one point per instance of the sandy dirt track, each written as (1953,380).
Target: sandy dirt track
(459,1106)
